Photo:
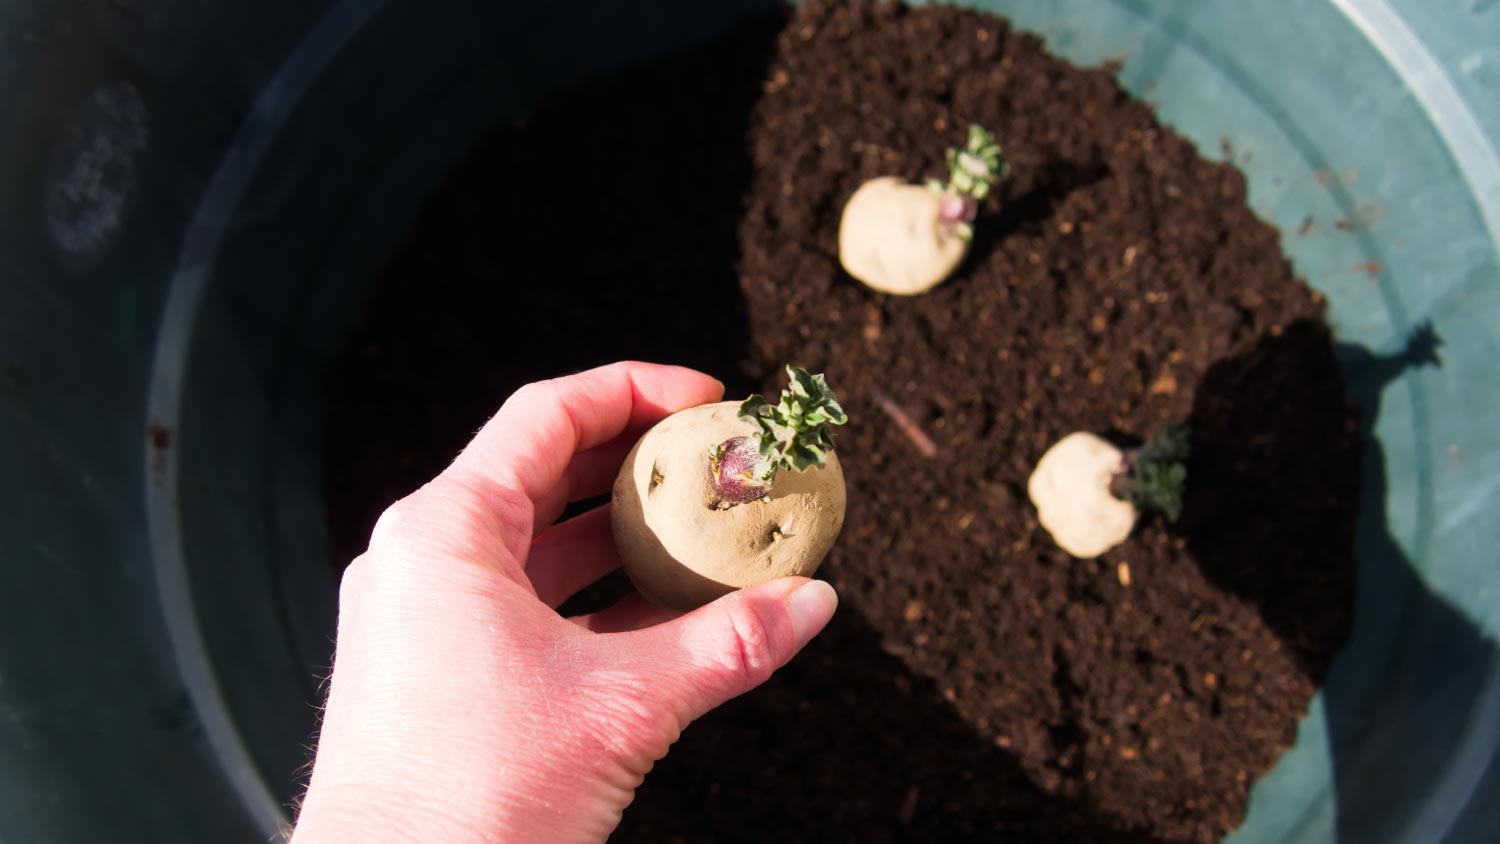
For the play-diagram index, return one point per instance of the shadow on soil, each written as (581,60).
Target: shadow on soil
(1273,488)
(1039,193)
(846,744)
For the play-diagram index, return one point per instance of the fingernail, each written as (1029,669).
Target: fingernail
(811,607)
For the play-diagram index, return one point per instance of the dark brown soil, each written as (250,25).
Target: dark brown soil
(978,683)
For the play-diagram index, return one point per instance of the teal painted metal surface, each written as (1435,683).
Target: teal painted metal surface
(161,337)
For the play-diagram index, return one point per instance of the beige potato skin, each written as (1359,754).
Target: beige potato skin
(681,552)
(889,238)
(1070,488)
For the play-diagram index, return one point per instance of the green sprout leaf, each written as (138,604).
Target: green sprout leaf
(973,170)
(1157,473)
(796,433)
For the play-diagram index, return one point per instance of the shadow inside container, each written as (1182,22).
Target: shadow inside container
(1287,488)
(602,227)
(1416,682)
(846,744)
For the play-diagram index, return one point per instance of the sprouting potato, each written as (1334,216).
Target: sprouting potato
(905,239)
(723,496)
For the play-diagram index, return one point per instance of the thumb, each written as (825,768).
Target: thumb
(726,648)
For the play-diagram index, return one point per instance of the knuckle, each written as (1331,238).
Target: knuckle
(459,516)
(487,516)
(403,524)
(530,393)
(560,395)
(360,578)
(389,527)
(749,652)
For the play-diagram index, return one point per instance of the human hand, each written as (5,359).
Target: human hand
(462,707)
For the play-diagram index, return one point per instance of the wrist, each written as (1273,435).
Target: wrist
(369,814)
(541,808)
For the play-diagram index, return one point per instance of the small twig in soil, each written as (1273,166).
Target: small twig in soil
(908,426)
(909,805)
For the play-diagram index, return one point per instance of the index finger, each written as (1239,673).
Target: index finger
(527,446)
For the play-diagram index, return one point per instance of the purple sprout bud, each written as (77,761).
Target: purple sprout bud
(738,474)
(954,209)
